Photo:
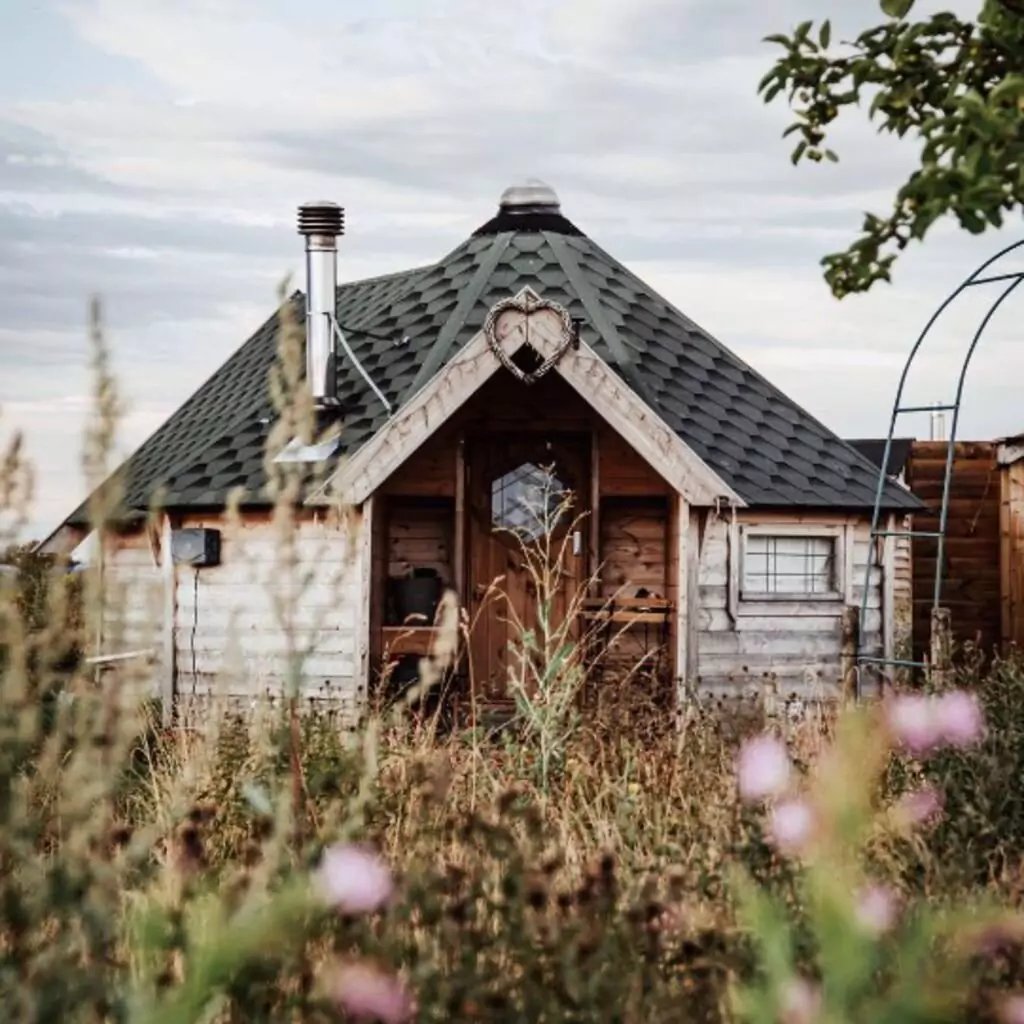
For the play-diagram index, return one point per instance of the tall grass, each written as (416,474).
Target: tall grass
(563,869)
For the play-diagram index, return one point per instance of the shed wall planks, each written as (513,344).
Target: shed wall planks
(134,614)
(242,628)
(633,546)
(796,648)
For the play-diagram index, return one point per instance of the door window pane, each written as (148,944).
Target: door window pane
(527,500)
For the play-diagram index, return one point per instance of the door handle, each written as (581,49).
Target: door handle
(577,543)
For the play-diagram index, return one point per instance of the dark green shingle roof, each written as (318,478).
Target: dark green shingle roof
(405,327)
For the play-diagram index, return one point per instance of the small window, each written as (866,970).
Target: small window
(527,500)
(789,566)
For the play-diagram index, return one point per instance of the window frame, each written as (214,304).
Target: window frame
(752,598)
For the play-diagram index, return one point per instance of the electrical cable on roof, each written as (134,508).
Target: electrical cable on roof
(359,366)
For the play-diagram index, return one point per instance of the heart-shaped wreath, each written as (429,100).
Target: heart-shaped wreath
(527,305)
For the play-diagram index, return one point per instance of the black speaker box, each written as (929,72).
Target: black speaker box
(198,546)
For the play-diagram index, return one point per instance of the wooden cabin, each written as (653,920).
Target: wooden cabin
(715,532)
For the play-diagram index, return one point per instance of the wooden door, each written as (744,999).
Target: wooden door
(526,497)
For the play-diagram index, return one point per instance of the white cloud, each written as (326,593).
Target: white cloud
(176,201)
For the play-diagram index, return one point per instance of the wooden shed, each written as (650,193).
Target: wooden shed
(724,528)
(983,572)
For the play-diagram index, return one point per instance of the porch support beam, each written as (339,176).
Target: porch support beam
(168,667)
(594,533)
(680,564)
(364,610)
(459,555)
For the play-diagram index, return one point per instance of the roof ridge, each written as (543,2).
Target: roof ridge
(596,311)
(435,357)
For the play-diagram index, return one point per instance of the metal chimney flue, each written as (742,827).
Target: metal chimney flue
(321,222)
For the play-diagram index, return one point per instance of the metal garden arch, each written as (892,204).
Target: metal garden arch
(978,277)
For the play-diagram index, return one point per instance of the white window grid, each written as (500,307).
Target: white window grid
(787,565)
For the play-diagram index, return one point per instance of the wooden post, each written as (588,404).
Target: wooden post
(693,596)
(1006,566)
(888,567)
(594,543)
(679,567)
(365,618)
(849,640)
(941,665)
(168,672)
(459,555)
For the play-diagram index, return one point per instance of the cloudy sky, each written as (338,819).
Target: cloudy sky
(153,153)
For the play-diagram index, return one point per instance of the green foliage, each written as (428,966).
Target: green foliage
(955,85)
(981,791)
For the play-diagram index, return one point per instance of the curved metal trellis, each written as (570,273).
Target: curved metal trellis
(978,277)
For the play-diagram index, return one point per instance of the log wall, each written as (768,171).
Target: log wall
(420,537)
(633,547)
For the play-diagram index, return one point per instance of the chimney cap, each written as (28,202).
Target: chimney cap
(321,217)
(530,196)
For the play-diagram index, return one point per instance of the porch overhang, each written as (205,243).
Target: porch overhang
(361,473)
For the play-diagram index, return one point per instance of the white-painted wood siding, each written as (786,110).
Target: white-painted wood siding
(792,645)
(249,626)
(133,611)
(903,592)
(243,627)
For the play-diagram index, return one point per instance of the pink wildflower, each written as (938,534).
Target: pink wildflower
(367,992)
(958,718)
(763,768)
(354,879)
(921,807)
(791,826)
(1011,1010)
(800,1002)
(913,723)
(875,909)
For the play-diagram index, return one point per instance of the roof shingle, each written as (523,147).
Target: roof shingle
(767,448)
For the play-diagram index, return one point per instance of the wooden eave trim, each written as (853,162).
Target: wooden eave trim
(583,369)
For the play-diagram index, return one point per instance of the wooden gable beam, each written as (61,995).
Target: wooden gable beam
(632,418)
(582,368)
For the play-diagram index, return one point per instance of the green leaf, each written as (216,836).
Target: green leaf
(825,34)
(896,8)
